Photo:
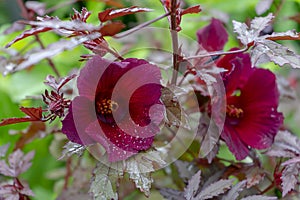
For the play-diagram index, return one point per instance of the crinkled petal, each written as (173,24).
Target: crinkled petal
(90,75)
(114,153)
(239,70)
(143,99)
(234,143)
(118,144)
(213,37)
(81,114)
(260,101)
(139,89)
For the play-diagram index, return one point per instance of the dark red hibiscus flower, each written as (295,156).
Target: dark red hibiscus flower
(252,120)
(118,106)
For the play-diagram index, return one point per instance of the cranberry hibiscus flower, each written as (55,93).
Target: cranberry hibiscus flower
(118,106)
(252,120)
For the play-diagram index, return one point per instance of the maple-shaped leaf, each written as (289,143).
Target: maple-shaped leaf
(140,166)
(15,191)
(51,50)
(111,13)
(72,148)
(175,114)
(259,197)
(288,35)
(211,127)
(191,10)
(267,50)
(234,192)
(193,186)
(81,16)
(57,84)
(290,177)
(291,161)
(27,33)
(249,34)
(102,182)
(215,189)
(285,145)
(33,114)
(264,48)
(17,163)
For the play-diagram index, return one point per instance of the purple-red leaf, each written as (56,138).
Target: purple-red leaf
(27,33)
(81,16)
(110,14)
(57,84)
(17,163)
(288,35)
(51,50)
(111,29)
(33,131)
(33,114)
(191,10)
(290,177)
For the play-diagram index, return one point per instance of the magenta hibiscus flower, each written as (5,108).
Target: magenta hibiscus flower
(252,120)
(118,106)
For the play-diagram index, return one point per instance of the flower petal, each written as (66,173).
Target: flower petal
(114,152)
(118,144)
(234,143)
(239,70)
(261,121)
(80,115)
(90,75)
(213,37)
(142,100)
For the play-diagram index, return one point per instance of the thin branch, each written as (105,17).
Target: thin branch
(174,36)
(112,51)
(218,53)
(23,8)
(139,27)
(68,173)
(24,13)
(52,65)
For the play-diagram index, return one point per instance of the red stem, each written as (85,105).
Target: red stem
(25,15)
(174,36)
(218,53)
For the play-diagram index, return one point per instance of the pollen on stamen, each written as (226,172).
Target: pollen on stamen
(106,106)
(233,111)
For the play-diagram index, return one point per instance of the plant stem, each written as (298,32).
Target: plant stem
(52,65)
(138,27)
(217,53)
(174,36)
(24,14)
